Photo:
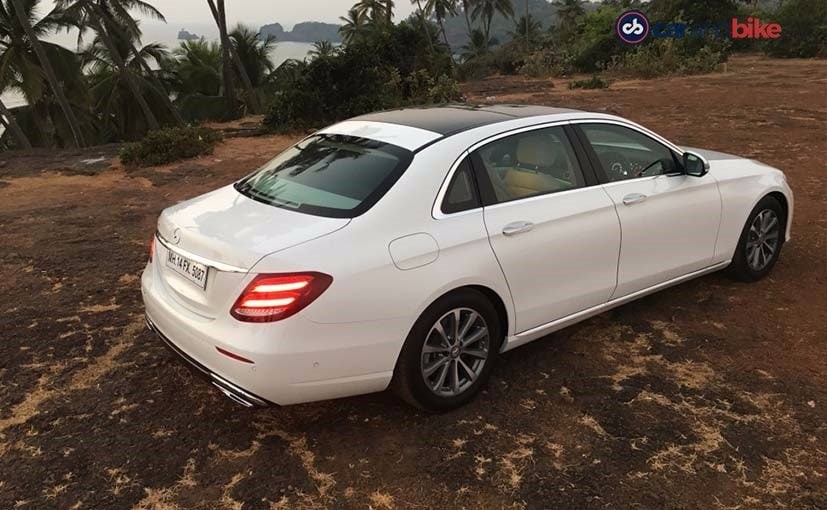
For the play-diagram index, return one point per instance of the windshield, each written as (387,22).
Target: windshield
(328,175)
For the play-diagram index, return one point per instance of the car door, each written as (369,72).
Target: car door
(669,220)
(553,229)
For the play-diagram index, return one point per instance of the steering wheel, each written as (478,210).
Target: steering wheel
(617,165)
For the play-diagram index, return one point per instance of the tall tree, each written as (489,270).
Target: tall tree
(118,20)
(527,29)
(98,20)
(476,46)
(353,25)
(24,17)
(8,119)
(220,14)
(568,12)
(486,9)
(379,12)
(196,68)
(109,84)
(253,55)
(467,6)
(20,69)
(423,21)
(322,49)
(441,9)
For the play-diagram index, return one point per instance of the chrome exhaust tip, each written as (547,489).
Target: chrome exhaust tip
(228,389)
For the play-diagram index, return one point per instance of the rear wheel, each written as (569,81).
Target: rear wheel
(761,241)
(449,353)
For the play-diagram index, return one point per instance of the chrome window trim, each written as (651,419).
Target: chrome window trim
(537,198)
(437,213)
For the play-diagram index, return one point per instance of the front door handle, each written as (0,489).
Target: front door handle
(518,227)
(634,198)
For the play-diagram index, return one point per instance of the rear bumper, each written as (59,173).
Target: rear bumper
(293,361)
(230,390)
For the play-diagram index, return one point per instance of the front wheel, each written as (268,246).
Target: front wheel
(761,241)
(449,353)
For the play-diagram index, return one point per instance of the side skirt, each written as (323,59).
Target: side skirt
(530,335)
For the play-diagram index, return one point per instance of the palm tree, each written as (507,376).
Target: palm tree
(7,119)
(113,29)
(353,25)
(467,6)
(389,6)
(254,53)
(112,80)
(322,49)
(486,9)
(441,9)
(24,11)
(119,22)
(477,45)
(527,29)
(423,21)
(569,10)
(220,16)
(195,68)
(378,11)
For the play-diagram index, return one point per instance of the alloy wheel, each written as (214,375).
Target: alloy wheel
(763,239)
(455,352)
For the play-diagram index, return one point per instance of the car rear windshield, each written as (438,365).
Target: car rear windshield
(328,175)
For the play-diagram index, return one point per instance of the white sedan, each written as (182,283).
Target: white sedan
(410,248)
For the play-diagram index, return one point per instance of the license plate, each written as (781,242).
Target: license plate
(189,269)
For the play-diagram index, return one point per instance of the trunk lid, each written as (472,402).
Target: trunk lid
(227,232)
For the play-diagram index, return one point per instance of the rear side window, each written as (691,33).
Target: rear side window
(529,164)
(462,192)
(328,175)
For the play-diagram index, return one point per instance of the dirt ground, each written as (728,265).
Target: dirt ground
(710,395)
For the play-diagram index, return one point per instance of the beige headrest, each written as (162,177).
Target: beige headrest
(536,151)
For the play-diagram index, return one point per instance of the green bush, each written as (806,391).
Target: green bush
(168,145)
(804,30)
(668,57)
(595,82)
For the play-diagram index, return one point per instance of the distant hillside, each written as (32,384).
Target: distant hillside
(308,32)
(183,35)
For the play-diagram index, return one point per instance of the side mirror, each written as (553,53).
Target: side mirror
(695,165)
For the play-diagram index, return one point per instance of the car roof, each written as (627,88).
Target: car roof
(452,119)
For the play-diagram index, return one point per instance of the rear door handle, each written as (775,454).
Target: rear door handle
(633,198)
(518,227)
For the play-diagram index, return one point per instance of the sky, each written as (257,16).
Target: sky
(262,12)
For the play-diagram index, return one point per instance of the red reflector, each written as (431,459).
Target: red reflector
(234,356)
(152,248)
(273,297)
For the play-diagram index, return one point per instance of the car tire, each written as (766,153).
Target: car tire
(765,230)
(437,373)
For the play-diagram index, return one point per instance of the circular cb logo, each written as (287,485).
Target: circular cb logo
(632,27)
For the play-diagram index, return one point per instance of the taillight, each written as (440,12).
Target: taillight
(152,248)
(273,297)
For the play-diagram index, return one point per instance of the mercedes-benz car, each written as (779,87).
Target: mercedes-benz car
(410,248)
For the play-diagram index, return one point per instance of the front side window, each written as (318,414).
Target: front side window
(628,154)
(531,164)
(328,175)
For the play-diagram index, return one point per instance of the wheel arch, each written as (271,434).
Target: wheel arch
(785,206)
(490,294)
